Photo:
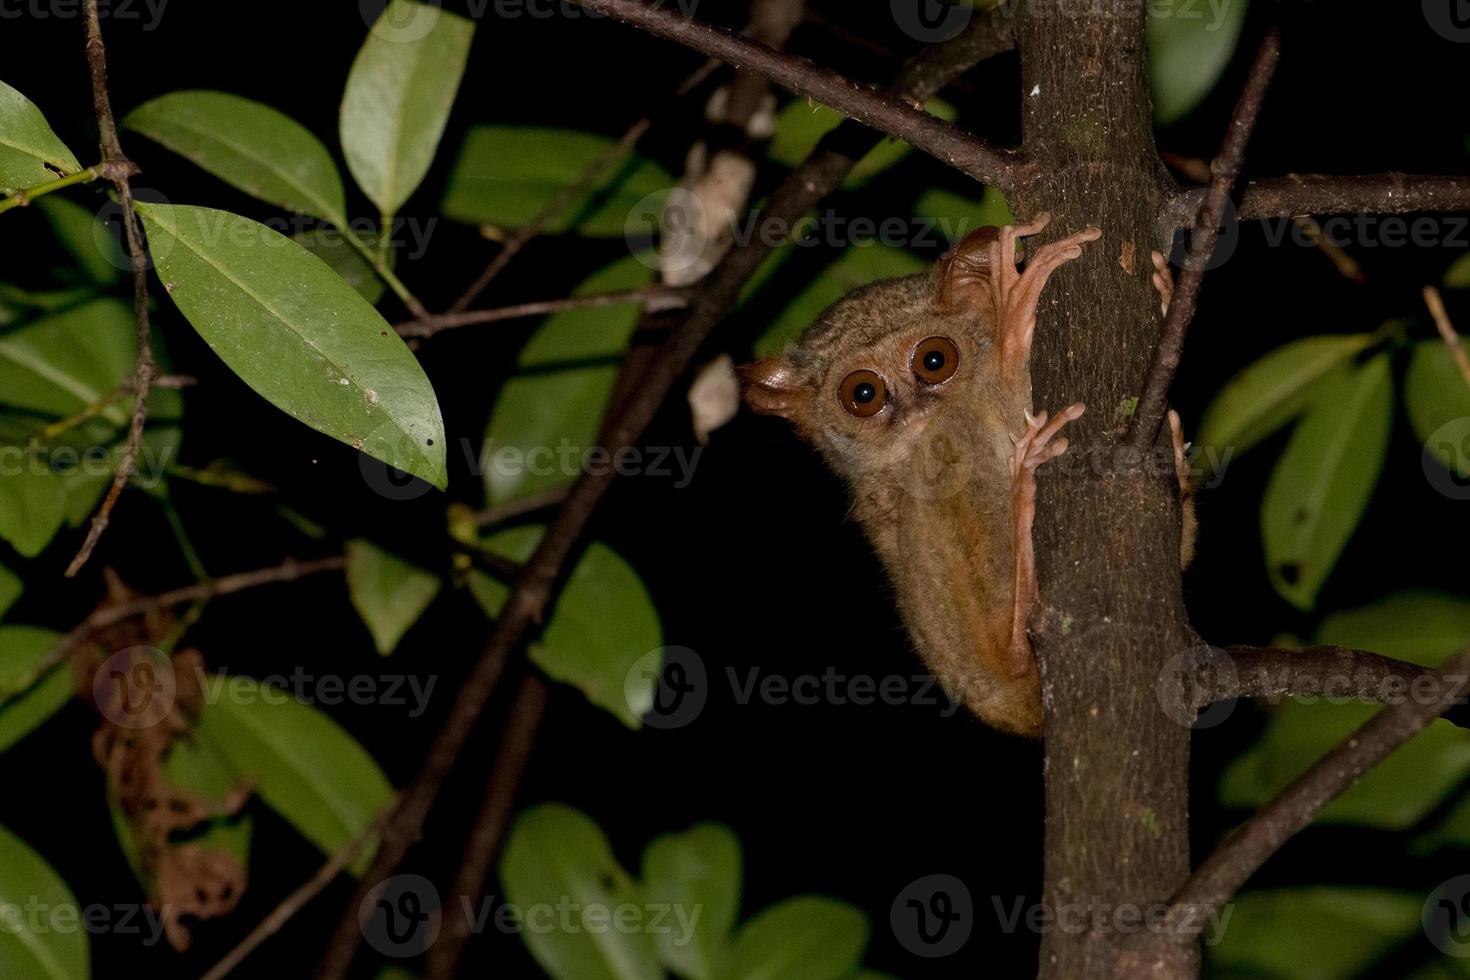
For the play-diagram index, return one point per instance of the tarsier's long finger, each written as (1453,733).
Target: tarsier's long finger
(1069,414)
(1010,233)
(1163,281)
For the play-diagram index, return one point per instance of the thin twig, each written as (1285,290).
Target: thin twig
(299,898)
(1225,169)
(25,196)
(520,507)
(659,297)
(1447,331)
(1243,853)
(118,168)
(821,174)
(885,112)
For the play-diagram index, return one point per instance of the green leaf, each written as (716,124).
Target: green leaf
(1189,45)
(32,503)
(249,146)
(10,589)
(302,763)
(21,649)
(804,938)
(556,855)
(959,215)
(548,416)
(1272,391)
(506,175)
(603,623)
(1416,625)
(858,266)
(84,486)
(389,593)
(698,869)
(1322,483)
(44,953)
(294,331)
(86,239)
(801,125)
(398,98)
(1436,394)
(345,260)
(1457,276)
(30,153)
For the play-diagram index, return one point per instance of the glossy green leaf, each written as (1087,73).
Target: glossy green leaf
(10,589)
(86,239)
(21,649)
(1457,276)
(697,869)
(1272,391)
(801,125)
(602,624)
(30,153)
(345,260)
(250,146)
(557,855)
(303,764)
(957,215)
(293,330)
(1436,395)
(549,415)
(506,175)
(389,593)
(804,938)
(1189,45)
(27,949)
(858,266)
(1322,483)
(399,93)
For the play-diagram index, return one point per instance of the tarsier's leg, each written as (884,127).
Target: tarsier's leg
(1040,443)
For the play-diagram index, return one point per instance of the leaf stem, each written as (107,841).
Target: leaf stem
(25,196)
(378,259)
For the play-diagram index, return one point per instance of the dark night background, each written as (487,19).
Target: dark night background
(754,563)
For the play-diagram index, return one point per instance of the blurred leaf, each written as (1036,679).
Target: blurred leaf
(805,938)
(84,486)
(1416,625)
(86,239)
(396,973)
(1322,483)
(45,953)
(1436,394)
(21,649)
(602,624)
(250,146)
(1457,276)
(389,593)
(556,855)
(1274,390)
(30,153)
(698,869)
(506,175)
(344,260)
(857,266)
(1189,45)
(10,589)
(32,503)
(801,125)
(557,403)
(44,300)
(959,215)
(398,98)
(303,764)
(294,331)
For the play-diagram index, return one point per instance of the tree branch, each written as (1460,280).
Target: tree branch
(1240,856)
(821,174)
(656,297)
(886,112)
(1225,168)
(1447,331)
(118,168)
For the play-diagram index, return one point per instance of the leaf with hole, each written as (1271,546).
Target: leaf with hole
(1323,481)
(30,948)
(299,335)
(30,153)
(697,869)
(389,593)
(399,93)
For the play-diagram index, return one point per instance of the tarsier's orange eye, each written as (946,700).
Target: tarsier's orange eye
(863,394)
(936,360)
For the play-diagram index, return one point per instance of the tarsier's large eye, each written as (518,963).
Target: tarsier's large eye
(863,394)
(936,360)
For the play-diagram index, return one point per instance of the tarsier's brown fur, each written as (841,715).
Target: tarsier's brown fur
(942,477)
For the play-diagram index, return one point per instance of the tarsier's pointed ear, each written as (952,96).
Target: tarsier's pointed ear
(962,276)
(772,387)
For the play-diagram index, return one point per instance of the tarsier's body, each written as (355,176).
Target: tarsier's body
(917,391)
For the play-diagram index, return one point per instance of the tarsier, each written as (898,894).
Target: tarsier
(917,391)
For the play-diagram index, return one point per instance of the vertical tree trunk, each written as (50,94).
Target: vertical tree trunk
(1111,612)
